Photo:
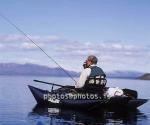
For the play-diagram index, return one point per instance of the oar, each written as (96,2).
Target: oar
(49,83)
(53,84)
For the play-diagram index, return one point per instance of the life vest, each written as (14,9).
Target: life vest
(96,81)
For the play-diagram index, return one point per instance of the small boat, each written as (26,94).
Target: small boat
(41,96)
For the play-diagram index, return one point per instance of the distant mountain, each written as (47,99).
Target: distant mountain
(32,69)
(124,74)
(39,70)
(146,76)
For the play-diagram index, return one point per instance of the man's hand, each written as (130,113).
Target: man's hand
(85,65)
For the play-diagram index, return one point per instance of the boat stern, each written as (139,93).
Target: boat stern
(136,102)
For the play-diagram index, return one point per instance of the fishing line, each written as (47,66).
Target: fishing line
(27,36)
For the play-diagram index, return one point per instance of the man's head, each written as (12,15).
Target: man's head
(91,60)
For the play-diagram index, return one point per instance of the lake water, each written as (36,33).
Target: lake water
(17,104)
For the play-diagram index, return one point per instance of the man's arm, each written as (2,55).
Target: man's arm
(83,77)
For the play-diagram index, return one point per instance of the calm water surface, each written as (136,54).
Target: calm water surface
(18,107)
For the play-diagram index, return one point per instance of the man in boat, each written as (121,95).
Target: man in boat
(92,78)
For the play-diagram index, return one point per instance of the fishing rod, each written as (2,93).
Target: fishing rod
(27,36)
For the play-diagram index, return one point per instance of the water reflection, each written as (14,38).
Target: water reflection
(56,116)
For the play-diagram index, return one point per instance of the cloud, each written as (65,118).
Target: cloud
(26,45)
(70,48)
(19,42)
(30,46)
(1,45)
(102,48)
(112,54)
(22,38)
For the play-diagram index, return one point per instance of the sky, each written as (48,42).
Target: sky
(116,31)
